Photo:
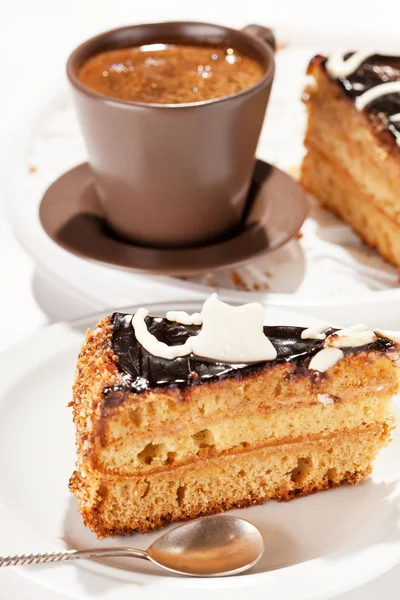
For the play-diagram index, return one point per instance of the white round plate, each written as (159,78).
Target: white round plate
(50,143)
(316,547)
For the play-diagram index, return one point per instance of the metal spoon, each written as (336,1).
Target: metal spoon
(209,547)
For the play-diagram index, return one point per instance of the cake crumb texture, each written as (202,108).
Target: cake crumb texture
(118,505)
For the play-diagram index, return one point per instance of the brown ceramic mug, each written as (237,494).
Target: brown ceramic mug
(173,175)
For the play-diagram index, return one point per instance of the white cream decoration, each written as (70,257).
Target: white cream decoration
(339,67)
(180,316)
(326,399)
(151,343)
(393,336)
(325,359)
(315,333)
(351,337)
(348,337)
(391,87)
(233,334)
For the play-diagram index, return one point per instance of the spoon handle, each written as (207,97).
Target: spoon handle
(49,557)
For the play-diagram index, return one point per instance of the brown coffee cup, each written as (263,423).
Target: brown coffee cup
(173,175)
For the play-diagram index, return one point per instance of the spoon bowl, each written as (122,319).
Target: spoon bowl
(209,547)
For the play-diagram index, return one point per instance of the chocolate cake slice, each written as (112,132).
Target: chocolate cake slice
(165,439)
(352,164)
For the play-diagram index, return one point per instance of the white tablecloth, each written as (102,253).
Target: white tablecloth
(35,39)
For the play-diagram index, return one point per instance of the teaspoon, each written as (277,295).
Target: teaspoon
(209,547)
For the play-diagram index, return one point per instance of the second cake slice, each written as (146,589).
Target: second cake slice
(352,164)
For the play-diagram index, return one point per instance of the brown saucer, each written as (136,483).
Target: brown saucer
(71,215)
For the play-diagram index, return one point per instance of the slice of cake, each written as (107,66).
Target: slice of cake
(352,163)
(191,415)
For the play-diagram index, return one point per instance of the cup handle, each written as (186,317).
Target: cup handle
(262,32)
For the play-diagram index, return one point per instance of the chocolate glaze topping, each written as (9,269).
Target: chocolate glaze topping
(142,371)
(377,69)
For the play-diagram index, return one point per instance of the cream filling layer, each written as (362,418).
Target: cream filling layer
(162,448)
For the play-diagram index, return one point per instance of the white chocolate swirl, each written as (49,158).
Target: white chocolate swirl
(391,87)
(338,66)
(152,344)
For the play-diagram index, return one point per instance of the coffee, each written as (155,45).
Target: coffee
(170,74)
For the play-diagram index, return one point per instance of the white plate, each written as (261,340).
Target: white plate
(316,547)
(329,251)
